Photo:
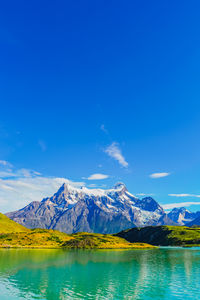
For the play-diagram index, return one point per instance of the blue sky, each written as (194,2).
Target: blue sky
(100,87)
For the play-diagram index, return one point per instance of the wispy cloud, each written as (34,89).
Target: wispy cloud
(18,187)
(181,204)
(97,176)
(159,175)
(21,191)
(9,173)
(184,195)
(144,195)
(5,163)
(42,145)
(92,185)
(103,128)
(114,151)
(99,186)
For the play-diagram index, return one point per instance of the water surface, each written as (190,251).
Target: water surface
(170,273)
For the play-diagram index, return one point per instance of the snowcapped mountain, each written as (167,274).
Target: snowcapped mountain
(182,216)
(194,222)
(73,209)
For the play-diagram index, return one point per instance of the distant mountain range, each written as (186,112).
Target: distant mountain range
(73,210)
(182,216)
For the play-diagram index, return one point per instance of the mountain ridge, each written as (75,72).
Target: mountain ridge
(73,210)
(182,216)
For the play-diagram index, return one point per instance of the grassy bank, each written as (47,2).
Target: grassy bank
(164,235)
(14,235)
(41,238)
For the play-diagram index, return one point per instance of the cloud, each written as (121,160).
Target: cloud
(145,195)
(96,176)
(159,175)
(114,152)
(181,204)
(18,187)
(5,173)
(42,145)
(6,163)
(184,195)
(103,128)
(9,173)
(92,185)
(17,193)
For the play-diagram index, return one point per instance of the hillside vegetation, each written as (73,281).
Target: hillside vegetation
(101,241)
(163,235)
(44,238)
(13,235)
(8,226)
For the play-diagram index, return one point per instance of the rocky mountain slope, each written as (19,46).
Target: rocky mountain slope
(182,216)
(195,222)
(74,210)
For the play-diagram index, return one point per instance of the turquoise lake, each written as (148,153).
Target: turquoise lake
(165,273)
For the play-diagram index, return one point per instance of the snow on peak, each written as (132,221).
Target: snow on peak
(119,186)
(69,188)
(113,201)
(180,210)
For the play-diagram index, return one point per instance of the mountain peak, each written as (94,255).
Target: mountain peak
(180,210)
(150,204)
(119,186)
(148,199)
(63,189)
(181,215)
(74,209)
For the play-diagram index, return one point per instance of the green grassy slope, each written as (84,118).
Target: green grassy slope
(8,226)
(101,241)
(44,238)
(13,235)
(163,235)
